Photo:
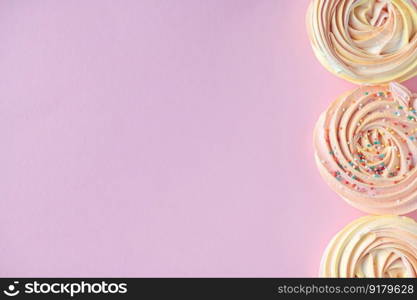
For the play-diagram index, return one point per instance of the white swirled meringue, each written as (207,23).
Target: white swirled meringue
(373,247)
(365,41)
(366,148)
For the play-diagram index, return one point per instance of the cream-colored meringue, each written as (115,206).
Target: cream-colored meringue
(366,148)
(365,41)
(373,247)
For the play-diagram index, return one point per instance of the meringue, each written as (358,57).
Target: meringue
(373,247)
(365,41)
(366,148)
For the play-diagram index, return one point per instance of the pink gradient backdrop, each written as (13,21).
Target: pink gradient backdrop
(162,138)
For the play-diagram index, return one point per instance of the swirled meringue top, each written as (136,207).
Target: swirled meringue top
(373,247)
(366,148)
(365,41)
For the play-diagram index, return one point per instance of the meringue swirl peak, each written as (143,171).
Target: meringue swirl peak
(373,247)
(365,41)
(366,148)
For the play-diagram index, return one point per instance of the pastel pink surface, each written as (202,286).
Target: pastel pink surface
(162,138)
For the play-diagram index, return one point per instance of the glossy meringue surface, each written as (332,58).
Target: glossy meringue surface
(373,247)
(366,148)
(365,41)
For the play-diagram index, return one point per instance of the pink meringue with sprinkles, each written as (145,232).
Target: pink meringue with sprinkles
(366,148)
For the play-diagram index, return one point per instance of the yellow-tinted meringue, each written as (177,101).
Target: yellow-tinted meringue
(365,41)
(366,148)
(373,247)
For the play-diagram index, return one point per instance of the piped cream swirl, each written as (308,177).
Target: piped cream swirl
(366,148)
(365,41)
(373,247)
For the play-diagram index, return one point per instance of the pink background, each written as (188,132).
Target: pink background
(162,138)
